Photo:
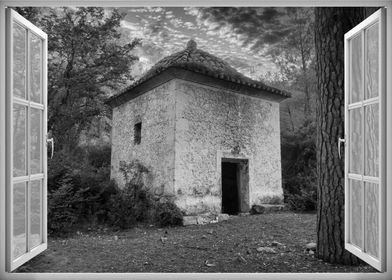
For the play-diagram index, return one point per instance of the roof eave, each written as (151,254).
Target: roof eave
(201,78)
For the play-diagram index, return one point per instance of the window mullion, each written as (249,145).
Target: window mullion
(28,185)
(363,74)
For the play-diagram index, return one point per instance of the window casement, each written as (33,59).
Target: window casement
(137,136)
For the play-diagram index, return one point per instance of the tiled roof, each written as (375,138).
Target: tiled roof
(196,60)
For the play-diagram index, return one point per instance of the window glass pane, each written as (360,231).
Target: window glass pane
(356,69)
(35,213)
(35,141)
(355,143)
(372,52)
(356,212)
(35,68)
(138,133)
(19,219)
(19,140)
(371,140)
(372,230)
(19,61)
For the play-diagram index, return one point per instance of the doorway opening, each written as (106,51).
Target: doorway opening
(235,191)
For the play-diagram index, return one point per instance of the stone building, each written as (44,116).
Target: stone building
(209,135)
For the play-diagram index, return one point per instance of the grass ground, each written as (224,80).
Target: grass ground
(229,246)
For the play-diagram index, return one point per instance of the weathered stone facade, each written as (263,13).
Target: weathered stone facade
(191,124)
(213,124)
(187,128)
(156,110)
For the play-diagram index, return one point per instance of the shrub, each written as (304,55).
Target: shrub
(299,168)
(59,167)
(135,203)
(306,201)
(121,213)
(81,194)
(99,156)
(168,214)
(78,191)
(129,206)
(61,215)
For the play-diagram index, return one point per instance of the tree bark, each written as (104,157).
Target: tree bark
(330,26)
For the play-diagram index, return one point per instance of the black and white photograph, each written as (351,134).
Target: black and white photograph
(196,139)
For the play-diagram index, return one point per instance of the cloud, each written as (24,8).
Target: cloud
(138,10)
(176,22)
(240,35)
(135,31)
(254,27)
(156,9)
(190,25)
(192,11)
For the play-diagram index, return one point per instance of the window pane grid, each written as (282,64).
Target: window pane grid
(371,221)
(363,142)
(19,220)
(27,141)
(35,230)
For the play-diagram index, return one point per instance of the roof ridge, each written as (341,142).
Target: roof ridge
(196,60)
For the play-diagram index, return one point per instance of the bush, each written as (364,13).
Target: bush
(299,168)
(135,203)
(78,191)
(168,214)
(306,201)
(128,206)
(99,156)
(81,194)
(121,212)
(61,215)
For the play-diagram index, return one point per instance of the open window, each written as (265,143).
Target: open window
(26,108)
(365,134)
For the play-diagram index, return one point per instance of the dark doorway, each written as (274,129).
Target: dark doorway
(230,197)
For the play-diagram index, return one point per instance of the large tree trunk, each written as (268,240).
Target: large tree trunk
(330,26)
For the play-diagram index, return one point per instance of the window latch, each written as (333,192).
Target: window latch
(340,141)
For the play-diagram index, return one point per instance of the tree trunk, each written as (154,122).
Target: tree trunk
(330,26)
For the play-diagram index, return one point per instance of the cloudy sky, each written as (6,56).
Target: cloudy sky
(241,36)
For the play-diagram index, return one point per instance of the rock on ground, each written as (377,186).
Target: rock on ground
(311,246)
(266,250)
(203,219)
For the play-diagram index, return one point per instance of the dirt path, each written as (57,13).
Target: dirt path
(229,246)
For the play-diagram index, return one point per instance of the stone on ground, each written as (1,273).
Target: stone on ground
(189,220)
(311,246)
(223,217)
(276,244)
(267,208)
(266,250)
(203,219)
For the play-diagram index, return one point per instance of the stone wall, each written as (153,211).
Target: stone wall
(187,130)
(212,124)
(155,109)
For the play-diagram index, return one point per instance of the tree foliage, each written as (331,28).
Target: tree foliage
(294,55)
(299,167)
(85,63)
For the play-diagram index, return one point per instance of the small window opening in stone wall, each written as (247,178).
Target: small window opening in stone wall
(137,133)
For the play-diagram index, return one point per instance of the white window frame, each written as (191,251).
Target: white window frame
(12,17)
(377,17)
(200,3)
